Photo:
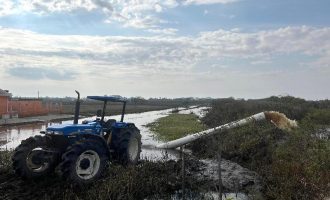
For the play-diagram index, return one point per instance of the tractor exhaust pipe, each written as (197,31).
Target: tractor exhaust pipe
(76,111)
(278,119)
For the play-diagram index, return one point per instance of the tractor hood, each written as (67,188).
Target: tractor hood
(67,129)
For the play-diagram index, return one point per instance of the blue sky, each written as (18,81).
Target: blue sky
(166,48)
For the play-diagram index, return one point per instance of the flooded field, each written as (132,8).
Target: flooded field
(11,136)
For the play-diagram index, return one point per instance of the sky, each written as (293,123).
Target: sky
(166,48)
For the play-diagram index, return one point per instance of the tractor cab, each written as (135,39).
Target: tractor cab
(108,124)
(98,126)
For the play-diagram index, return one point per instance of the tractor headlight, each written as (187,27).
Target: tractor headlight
(54,132)
(57,132)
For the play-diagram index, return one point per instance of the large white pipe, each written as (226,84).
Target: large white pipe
(190,138)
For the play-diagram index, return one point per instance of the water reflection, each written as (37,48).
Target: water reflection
(11,136)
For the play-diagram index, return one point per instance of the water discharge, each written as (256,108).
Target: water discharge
(280,120)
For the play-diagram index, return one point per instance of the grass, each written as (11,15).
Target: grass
(118,182)
(301,165)
(147,180)
(175,126)
(293,165)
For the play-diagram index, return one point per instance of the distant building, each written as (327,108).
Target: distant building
(25,107)
(4,101)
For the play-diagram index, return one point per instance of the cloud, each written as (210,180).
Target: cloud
(39,73)
(136,14)
(6,7)
(163,52)
(142,22)
(166,31)
(203,2)
(301,39)
(143,14)
(105,5)
(46,7)
(208,62)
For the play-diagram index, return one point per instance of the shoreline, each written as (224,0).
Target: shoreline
(35,119)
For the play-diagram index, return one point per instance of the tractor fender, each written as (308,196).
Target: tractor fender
(95,137)
(132,128)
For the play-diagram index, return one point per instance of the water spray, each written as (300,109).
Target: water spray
(276,118)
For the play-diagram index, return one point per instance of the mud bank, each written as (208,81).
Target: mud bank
(161,180)
(36,119)
(235,178)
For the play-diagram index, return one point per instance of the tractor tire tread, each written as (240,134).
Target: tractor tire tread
(121,155)
(69,158)
(20,154)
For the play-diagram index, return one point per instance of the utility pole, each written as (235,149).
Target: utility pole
(219,174)
(183,173)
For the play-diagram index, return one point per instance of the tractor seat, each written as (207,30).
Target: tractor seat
(108,124)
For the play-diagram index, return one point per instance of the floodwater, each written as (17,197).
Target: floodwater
(11,136)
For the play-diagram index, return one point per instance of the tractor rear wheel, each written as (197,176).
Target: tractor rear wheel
(83,162)
(29,159)
(128,148)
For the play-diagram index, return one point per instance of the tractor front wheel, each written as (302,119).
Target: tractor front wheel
(30,159)
(83,162)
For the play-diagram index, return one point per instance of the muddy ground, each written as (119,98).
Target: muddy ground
(147,180)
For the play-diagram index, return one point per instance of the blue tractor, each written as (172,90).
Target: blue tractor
(80,151)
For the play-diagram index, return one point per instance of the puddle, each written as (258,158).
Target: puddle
(199,111)
(211,196)
(11,136)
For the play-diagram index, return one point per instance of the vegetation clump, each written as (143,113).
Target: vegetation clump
(147,180)
(176,126)
(293,165)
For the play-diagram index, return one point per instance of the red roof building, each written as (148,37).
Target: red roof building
(4,101)
(27,107)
